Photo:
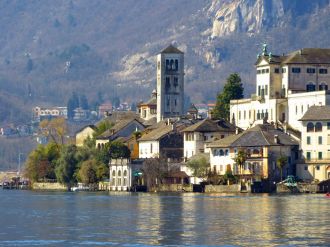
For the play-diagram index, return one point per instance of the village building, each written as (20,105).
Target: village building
(315,143)
(286,86)
(148,110)
(263,145)
(196,135)
(124,128)
(84,133)
(41,113)
(170,83)
(164,141)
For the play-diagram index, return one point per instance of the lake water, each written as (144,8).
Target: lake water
(123,219)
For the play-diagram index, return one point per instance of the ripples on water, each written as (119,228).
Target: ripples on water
(123,219)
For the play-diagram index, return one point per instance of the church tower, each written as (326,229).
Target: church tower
(170,83)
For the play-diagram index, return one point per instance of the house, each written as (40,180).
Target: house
(286,86)
(196,135)
(123,128)
(148,109)
(263,145)
(105,109)
(315,144)
(84,133)
(163,141)
(41,113)
(124,174)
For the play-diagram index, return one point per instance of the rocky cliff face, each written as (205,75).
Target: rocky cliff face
(253,16)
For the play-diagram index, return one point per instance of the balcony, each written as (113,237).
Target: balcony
(324,160)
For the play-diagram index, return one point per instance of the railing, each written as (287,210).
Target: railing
(315,161)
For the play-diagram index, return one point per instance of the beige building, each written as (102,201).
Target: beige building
(148,110)
(84,133)
(286,86)
(196,135)
(170,83)
(315,144)
(263,145)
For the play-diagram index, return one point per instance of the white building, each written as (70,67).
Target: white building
(286,86)
(40,113)
(170,83)
(315,144)
(196,135)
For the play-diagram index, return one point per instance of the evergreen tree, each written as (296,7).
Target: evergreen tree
(83,102)
(73,103)
(233,89)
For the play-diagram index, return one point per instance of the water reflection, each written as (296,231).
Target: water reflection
(73,219)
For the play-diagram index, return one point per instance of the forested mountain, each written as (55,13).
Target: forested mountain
(103,49)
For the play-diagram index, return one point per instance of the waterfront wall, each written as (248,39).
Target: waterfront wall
(48,186)
(301,188)
(222,188)
(173,188)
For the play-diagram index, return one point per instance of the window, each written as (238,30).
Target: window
(221,153)
(239,115)
(249,114)
(320,155)
(305,168)
(323,71)
(277,70)
(308,140)
(244,114)
(175,81)
(318,127)
(158,65)
(308,155)
(320,140)
(283,70)
(310,70)
(310,87)
(151,148)
(258,115)
(226,152)
(176,64)
(328,125)
(259,90)
(267,71)
(258,71)
(167,84)
(323,86)
(318,168)
(296,109)
(302,109)
(295,70)
(266,90)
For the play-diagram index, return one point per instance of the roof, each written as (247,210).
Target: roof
(152,101)
(309,55)
(208,125)
(157,133)
(161,129)
(302,56)
(192,108)
(92,126)
(117,127)
(317,113)
(171,49)
(260,135)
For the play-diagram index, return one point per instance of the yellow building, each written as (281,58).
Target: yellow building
(84,133)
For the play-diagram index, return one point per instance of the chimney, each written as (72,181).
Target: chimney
(236,131)
(276,139)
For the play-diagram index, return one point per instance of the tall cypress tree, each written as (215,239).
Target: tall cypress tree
(233,89)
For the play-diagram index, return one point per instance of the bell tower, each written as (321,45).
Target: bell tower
(170,83)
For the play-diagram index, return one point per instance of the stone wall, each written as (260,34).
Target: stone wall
(48,186)
(173,188)
(223,188)
(301,188)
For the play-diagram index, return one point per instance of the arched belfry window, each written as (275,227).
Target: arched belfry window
(310,87)
(323,86)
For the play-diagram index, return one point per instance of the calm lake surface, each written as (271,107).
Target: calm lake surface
(123,219)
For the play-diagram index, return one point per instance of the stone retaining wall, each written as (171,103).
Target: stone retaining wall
(301,188)
(173,188)
(48,186)
(223,188)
